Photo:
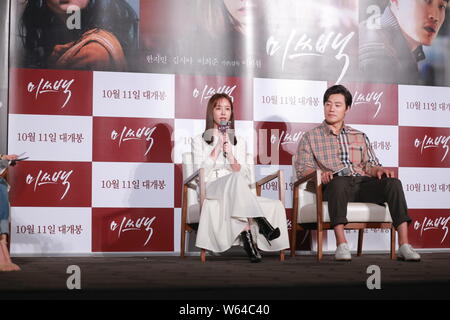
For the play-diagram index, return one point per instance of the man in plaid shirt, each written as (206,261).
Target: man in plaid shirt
(350,172)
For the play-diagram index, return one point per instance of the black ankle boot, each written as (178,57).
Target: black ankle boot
(250,247)
(266,229)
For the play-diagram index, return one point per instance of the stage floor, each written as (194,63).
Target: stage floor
(228,277)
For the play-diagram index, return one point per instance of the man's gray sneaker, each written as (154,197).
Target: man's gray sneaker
(343,252)
(407,253)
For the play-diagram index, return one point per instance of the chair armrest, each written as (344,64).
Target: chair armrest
(188,180)
(314,176)
(277,175)
(268,178)
(4,174)
(4,168)
(192,177)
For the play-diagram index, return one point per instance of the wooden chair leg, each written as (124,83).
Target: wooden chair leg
(293,240)
(360,242)
(183,240)
(319,244)
(203,255)
(282,256)
(8,238)
(294,223)
(393,255)
(183,222)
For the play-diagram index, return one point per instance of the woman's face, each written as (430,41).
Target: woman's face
(222,111)
(243,11)
(60,7)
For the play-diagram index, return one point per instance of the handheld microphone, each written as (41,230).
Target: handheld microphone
(223,127)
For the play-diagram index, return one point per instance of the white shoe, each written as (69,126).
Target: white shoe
(343,252)
(407,253)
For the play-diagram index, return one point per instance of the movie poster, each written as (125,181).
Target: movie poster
(106,95)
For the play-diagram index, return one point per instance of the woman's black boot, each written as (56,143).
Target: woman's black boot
(250,247)
(266,229)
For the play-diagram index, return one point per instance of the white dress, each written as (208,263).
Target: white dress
(230,202)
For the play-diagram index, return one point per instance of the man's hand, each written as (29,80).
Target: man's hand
(326,176)
(9,157)
(379,172)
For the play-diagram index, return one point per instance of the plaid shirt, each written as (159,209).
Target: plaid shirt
(349,153)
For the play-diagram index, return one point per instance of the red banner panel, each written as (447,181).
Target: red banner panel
(132,229)
(276,142)
(54,92)
(429,228)
(178,177)
(424,147)
(51,184)
(373,103)
(133,139)
(193,93)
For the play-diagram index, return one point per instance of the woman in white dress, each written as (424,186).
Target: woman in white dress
(237,211)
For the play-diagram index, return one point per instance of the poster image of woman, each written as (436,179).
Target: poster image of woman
(106,38)
(236,32)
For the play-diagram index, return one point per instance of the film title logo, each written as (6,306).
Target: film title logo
(207,92)
(298,46)
(130,224)
(428,224)
(369,98)
(284,137)
(433,143)
(128,134)
(45,86)
(45,178)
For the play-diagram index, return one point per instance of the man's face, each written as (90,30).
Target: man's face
(420,19)
(335,109)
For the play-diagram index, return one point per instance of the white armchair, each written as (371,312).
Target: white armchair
(311,212)
(193,197)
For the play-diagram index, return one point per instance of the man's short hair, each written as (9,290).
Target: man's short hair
(390,2)
(339,89)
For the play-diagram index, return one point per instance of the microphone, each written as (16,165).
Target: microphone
(223,127)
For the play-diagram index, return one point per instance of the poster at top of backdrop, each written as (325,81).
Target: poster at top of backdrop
(288,39)
(401,42)
(282,39)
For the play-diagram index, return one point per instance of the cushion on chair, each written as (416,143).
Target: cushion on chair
(193,211)
(356,212)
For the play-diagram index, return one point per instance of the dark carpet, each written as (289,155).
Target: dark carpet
(228,277)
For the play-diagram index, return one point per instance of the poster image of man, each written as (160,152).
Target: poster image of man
(391,48)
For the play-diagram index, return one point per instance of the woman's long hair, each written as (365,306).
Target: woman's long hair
(41,29)
(208,133)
